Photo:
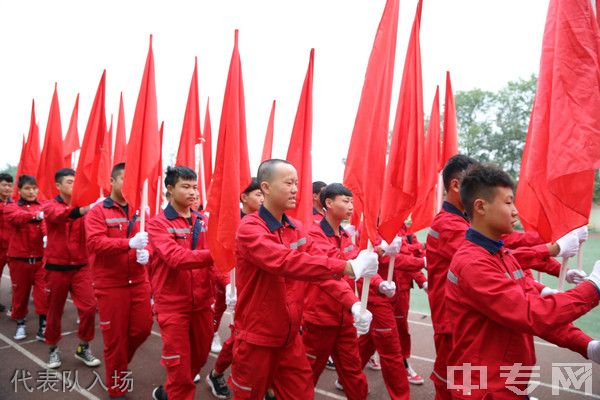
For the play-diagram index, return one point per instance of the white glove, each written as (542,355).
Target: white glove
(595,275)
(393,248)
(45,241)
(100,200)
(350,230)
(575,276)
(365,265)
(388,289)
(230,296)
(142,256)
(425,287)
(548,291)
(39,215)
(362,320)
(139,241)
(569,245)
(593,351)
(581,233)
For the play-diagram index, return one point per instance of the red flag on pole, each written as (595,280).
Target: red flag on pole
(232,169)
(450,142)
(268,144)
(106,164)
(87,187)
(51,159)
(155,194)
(426,208)
(365,163)
(402,176)
(30,155)
(120,138)
(206,153)
(563,142)
(71,142)
(300,147)
(143,149)
(190,132)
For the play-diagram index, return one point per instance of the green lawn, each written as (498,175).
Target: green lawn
(589,323)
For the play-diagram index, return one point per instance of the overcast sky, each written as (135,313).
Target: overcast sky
(483,43)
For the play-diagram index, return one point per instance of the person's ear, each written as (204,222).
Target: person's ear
(57,185)
(265,187)
(479,207)
(328,203)
(455,185)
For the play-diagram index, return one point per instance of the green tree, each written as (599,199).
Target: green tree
(11,169)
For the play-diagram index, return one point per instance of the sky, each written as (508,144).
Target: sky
(484,44)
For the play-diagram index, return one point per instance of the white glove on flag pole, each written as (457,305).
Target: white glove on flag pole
(364,296)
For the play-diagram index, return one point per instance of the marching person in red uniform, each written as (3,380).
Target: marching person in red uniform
(272,264)
(67,270)
(181,285)
(496,308)
(328,322)
(6,189)
(318,213)
(445,236)
(25,254)
(411,253)
(251,199)
(118,258)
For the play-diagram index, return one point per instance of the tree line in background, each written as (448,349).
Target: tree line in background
(492,126)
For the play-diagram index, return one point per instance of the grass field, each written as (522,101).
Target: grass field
(589,323)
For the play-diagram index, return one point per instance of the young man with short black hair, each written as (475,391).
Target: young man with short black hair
(318,212)
(118,258)
(496,308)
(272,271)
(67,270)
(328,323)
(181,285)
(25,255)
(6,189)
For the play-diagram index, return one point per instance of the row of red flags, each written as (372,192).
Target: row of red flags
(387,188)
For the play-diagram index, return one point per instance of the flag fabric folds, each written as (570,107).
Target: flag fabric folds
(300,147)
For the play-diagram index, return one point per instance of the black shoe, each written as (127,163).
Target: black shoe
(330,365)
(159,393)
(2,308)
(268,396)
(40,333)
(218,386)
(84,354)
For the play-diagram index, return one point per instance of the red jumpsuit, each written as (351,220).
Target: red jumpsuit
(5,234)
(497,309)
(383,335)
(328,325)
(67,270)
(121,287)
(181,285)
(268,350)
(25,255)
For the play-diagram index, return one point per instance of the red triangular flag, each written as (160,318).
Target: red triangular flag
(426,208)
(232,169)
(30,156)
(450,142)
(402,176)
(365,163)
(563,142)
(206,153)
(143,149)
(87,188)
(299,150)
(51,159)
(71,142)
(268,144)
(190,132)
(106,164)
(120,153)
